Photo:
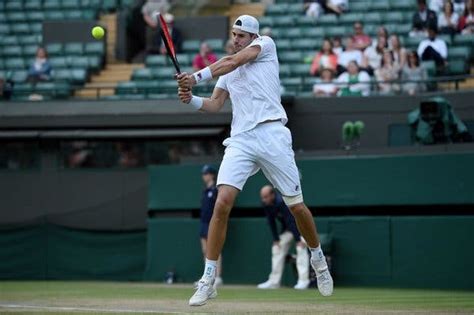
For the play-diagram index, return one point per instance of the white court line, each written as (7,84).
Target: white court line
(84,309)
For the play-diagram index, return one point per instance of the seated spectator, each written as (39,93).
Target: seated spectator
(423,18)
(148,10)
(448,20)
(229,47)
(361,40)
(350,53)
(466,22)
(459,6)
(337,45)
(399,52)
(40,69)
(354,82)
(381,32)
(325,58)
(175,34)
(433,48)
(413,72)
(372,56)
(387,74)
(436,5)
(205,57)
(326,86)
(316,8)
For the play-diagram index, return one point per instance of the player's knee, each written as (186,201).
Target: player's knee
(223,206)
(297,209)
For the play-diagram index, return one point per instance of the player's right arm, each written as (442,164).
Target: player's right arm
(211,104)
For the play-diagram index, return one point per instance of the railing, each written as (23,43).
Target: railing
(435,84)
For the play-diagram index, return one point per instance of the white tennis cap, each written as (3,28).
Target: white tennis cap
(247,24)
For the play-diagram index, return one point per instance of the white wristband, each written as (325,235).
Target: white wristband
(196,102)
(203,75)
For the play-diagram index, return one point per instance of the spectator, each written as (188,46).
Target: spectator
(40,69)
(175,34)
(436,5)
(354,82)
(372,57)
(423,18)
(466,23)
(205,57)
(350,53)
(128,155)
(459,6)
(337,45)
(149,10)
(387,74)
(326,86)
(413,72)
(229,47)
(381,32)
(399,52)
(361,40)
(448,20)
(316,8)
(433,48)
(325,58)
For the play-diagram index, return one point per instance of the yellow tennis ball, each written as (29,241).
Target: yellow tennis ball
(98,32)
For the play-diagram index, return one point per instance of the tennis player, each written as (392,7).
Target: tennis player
(258,140)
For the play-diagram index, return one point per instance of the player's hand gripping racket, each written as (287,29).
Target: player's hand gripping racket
(165,35)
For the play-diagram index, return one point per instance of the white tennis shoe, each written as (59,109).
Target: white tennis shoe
(325,282)
(268,285)
(204,291)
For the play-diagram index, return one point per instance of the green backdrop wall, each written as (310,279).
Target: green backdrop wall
(53,252)
(339,181)
(424,252)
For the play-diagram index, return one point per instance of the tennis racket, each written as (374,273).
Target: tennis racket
(165,35)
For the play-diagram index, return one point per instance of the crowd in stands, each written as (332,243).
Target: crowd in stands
(349,70)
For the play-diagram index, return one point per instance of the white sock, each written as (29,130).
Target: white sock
(317,253)
(210,269)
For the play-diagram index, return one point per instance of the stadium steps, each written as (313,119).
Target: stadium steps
(107,78)
(109,21)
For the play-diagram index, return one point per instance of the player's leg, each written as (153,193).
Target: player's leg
(278,164)
(236,167)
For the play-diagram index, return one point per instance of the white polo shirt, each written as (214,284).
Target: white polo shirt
(254,89)
(438,44)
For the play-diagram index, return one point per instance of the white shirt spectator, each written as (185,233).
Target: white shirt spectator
(362,86)
(373,57)
(436,5)
(437,44)
(443,20)
(324,88)
(347,56)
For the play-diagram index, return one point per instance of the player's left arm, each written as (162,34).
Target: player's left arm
(224,65)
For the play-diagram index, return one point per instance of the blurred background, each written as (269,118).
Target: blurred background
(100,164)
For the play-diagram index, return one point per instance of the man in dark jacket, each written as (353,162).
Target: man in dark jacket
(276,210)
(423,18)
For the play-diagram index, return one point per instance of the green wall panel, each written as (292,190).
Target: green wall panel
(52,252)
(433,252)
(361,250)
(340,181)
(22,253)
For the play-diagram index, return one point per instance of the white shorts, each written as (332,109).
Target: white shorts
(268,147)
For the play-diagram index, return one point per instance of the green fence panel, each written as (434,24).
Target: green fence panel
(361,250)
(340,181)
(433,252)
(77,254)
(23,253)
(52,252)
